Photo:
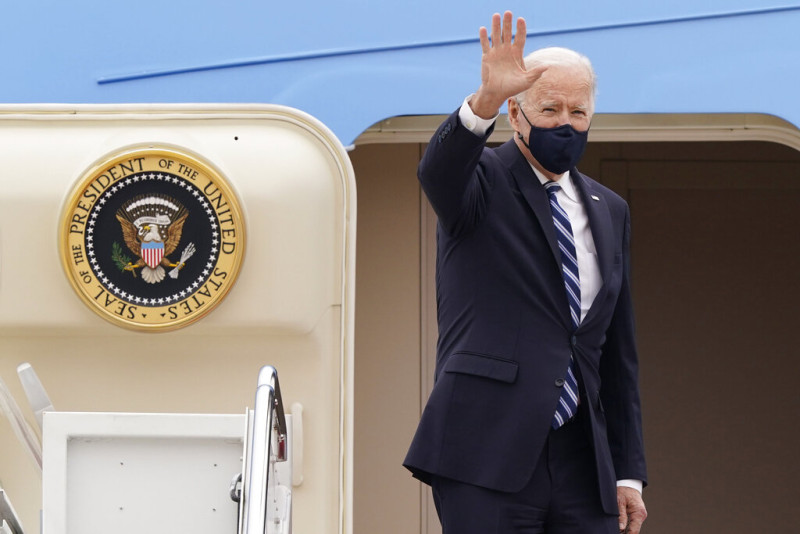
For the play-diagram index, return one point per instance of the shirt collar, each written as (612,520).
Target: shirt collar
(567,186)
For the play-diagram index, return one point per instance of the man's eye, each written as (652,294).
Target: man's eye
(579,112)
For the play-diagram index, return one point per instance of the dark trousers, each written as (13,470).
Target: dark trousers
(562,496)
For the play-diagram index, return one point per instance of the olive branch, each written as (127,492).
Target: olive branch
(119,258)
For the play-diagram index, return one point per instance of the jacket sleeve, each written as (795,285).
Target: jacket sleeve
(452,176)
(619,369)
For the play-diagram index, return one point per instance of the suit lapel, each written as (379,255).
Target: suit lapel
(596,210)
(602,232)
(534,195)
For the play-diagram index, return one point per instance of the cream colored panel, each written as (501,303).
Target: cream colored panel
(295,212)
(292,306)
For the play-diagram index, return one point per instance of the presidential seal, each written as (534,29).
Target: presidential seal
(152,239)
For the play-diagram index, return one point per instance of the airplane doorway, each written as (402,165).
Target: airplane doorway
(715,257)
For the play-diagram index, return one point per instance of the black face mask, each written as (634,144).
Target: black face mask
(556,149)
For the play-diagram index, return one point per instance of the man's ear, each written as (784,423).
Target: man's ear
(513,113)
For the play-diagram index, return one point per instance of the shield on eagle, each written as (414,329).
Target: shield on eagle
(152,253)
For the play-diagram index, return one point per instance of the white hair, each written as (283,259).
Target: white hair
(564,57)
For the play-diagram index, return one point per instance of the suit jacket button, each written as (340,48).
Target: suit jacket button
(559,382)
(574,340)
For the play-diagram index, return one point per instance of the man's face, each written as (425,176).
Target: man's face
(563,95)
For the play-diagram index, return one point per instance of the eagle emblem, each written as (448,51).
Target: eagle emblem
(151,227)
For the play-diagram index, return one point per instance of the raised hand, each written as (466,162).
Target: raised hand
(503,73)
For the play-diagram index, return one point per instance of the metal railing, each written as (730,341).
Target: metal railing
(269,421)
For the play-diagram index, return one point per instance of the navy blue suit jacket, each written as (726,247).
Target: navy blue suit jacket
(505,335)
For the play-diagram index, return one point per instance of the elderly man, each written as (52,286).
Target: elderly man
(534,422)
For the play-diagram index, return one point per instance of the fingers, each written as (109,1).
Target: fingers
(506,32)
(501,31)
(622,504)
(632,511)
(519,40)
(484,36)
(635,519)
(535,73)
(496,30)
(634,527)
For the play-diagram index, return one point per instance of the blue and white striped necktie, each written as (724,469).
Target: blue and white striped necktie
(568,402)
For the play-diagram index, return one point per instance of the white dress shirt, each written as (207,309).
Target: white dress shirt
(570,201)
(588,268)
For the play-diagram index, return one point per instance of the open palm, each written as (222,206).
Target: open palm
(503,72)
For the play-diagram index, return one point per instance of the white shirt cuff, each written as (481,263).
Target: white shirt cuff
(472,122)
(631,483)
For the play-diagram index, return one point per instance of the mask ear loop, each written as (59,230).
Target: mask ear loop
(519,134)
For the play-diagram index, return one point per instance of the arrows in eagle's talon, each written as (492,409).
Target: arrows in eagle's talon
(185,255)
